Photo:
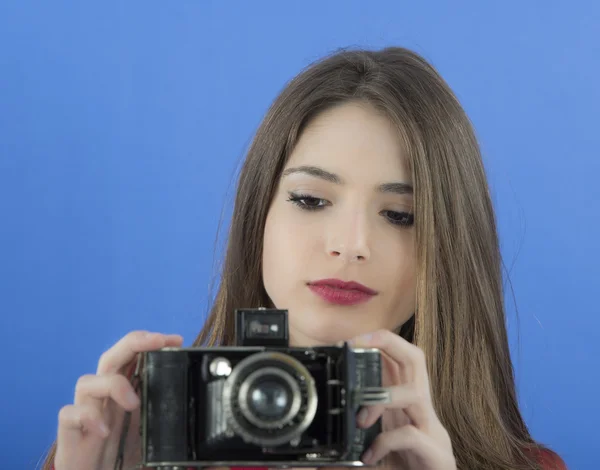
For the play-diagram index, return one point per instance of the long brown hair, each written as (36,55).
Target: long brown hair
(460,320)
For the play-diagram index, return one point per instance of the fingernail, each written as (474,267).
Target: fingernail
(362,339)
(132,399)
(367,456)
(366,337)
(362,416)
(103,429)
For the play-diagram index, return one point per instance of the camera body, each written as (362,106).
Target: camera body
(259,403)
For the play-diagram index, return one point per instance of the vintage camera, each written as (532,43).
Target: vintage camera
(259,403)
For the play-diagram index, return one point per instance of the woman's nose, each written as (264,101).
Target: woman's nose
(349,239)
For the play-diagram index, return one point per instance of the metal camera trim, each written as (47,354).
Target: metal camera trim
(289,380)
(283,437)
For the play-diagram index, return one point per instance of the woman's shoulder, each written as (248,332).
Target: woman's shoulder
(547,459)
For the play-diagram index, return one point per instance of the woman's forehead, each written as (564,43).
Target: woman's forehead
(354,140)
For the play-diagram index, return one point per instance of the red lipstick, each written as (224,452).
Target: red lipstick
(340,292)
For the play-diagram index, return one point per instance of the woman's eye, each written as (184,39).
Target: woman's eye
(404,219)
(307,202)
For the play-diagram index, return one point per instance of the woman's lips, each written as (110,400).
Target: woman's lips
(340,292)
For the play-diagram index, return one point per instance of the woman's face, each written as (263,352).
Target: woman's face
(342,211)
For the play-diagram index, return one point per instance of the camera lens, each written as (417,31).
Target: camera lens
(270,398)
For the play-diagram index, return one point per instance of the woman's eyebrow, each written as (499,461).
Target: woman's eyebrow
(315,171)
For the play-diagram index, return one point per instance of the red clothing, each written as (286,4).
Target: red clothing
(549,460)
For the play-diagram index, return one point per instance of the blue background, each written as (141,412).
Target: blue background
(122,125)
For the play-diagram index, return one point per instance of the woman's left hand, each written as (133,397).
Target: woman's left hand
(413,437)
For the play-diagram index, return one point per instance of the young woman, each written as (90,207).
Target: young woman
(362,208)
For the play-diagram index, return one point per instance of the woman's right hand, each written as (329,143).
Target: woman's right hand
(89,430)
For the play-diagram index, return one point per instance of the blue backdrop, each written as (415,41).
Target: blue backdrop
(122,125)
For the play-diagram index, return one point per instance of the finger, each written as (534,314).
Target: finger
(406,439)
(94,389)
(126,349)
(410,399)
(73,420)
(409,356)
(392,372)
(368,415)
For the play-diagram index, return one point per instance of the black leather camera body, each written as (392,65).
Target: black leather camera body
(259,403)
